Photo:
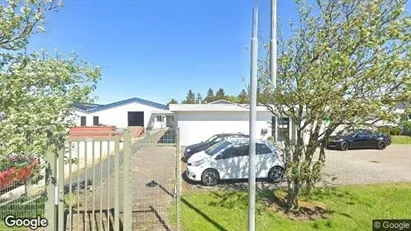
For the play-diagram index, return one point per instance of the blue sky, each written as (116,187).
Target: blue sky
(157,50)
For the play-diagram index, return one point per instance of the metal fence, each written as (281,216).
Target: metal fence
(155,180)
(104,184)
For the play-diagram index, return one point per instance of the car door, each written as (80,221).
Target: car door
(243,161)
(264,160)
(363,140)
(226,163)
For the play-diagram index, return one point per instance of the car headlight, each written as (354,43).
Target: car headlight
(188,150)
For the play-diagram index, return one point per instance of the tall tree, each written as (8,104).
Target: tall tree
(243,97)
(199,99)
(172,101)
(190,98)
(220,94)
(37,89)
(349,63)
(210,96)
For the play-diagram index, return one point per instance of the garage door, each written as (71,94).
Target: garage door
(199,126)
(136,118)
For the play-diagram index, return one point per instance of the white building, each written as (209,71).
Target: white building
(126,113)
(196,122)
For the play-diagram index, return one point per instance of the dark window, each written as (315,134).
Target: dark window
(283,129)
(244,150)
(136,118)
(262,149)
(96,120)
(230,152)
(83,121)
(159,119)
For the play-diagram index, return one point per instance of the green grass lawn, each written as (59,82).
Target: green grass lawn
(350,208)
(401,139)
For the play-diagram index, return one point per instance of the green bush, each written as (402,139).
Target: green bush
(406,128)
(388,130)
(270,138)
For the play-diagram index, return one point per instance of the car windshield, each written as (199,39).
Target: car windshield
(217,148)
(211,139)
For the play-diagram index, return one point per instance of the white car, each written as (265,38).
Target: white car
(229,160)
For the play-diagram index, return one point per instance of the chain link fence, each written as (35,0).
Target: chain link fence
(154,181)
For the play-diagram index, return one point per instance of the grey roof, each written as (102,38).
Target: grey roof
(89,108)
(221,101)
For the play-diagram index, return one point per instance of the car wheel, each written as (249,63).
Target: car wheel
(382,145)
(275,174)
(209,177)
(344,146)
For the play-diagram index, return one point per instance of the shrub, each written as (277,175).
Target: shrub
(406,128)
(388,130)
(270,138)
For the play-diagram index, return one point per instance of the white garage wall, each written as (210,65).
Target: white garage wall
(198,126)
(118,116)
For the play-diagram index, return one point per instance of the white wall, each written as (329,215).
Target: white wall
(198,126)
(118,116)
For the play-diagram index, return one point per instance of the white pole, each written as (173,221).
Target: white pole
(273,43)
(253,122)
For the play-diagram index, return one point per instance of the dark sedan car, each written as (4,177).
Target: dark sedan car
(192,149)
(360,139)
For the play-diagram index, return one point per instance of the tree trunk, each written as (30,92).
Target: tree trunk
(292,196)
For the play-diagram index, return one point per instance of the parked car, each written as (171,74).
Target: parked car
(195,148)
(229,160)
(360,139)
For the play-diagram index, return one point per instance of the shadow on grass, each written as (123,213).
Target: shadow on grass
(189,205)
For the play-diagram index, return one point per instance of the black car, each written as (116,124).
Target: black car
(360,139)
(192,149)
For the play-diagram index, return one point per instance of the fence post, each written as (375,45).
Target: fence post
(50,181)
(178,173)
(127,201)
(60,180)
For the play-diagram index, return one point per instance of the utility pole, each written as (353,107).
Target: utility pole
(273,43)
(273,55)
(253,123)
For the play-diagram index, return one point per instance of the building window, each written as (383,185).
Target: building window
(83,121)
(283,128)
(159,119)
(96,121)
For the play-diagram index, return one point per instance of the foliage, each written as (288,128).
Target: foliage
(210,96)
(199,99)
(406,128)
(242,98)
(172,101)
(348,208)
(220,94)
(37,89)
(351,62)
(389,130)
(190,98)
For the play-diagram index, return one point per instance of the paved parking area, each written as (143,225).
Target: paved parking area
(370,166)
(350,167)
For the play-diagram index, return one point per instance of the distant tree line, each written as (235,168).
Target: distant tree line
(196,98)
